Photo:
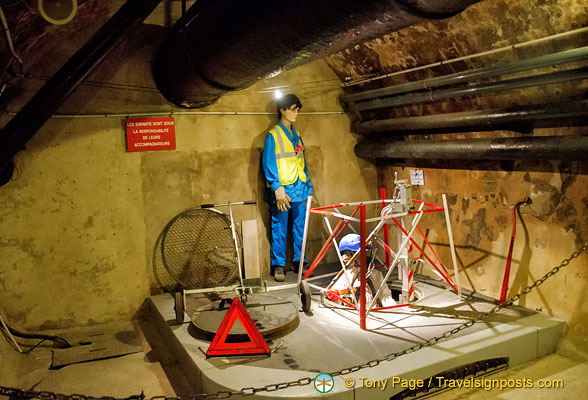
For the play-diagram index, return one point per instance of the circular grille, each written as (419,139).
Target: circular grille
(198,250)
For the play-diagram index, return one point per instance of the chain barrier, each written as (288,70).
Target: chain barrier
(17,394)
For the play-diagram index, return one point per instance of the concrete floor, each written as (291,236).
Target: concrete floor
(157,371)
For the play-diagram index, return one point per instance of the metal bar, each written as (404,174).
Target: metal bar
(229,204)
(281,287)
(472,75)
(390,216)
(304,236)
(210,290)
(494,87)
(314,278)
(453,257)
(570,147)
(357,203)
(362,269)
(486,119)
(386,233)
(237,250)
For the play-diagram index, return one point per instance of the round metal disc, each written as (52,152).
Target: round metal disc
(272,316)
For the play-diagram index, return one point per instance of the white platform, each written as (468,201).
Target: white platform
(330,340)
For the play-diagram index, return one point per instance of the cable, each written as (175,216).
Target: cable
(58,341)
(504,289)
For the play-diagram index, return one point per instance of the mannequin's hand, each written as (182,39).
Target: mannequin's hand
(282,199)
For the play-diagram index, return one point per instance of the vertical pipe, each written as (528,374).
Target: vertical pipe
(362,268)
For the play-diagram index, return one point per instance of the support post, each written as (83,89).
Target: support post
(453,257)
(386,234)
(362,269)
(304,236)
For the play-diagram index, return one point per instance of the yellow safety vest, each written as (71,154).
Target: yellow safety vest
(290,164)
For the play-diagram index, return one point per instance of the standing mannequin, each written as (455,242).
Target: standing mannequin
(288,184)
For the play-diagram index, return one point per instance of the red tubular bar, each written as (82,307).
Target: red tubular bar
(329,207)
(424,211)
(447,278)
(431,247)
(439,208)
(362,269)
(321,212)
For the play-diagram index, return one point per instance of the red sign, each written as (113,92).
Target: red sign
(256,344)
(145,134)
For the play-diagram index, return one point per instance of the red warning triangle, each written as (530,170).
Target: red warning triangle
(256,344)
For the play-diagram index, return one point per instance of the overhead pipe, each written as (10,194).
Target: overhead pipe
(511,47)
(494,87)
(47,100)
(472,75)
(515,148)
(225,45)
(493,118)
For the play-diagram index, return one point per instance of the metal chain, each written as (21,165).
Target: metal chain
(249,391)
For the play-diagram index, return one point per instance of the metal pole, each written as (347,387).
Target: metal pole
(386,233)
(500,86)
(362,269)
(236,244)
(452,246)
(304,236)
(572,147)
(492,119)
(468,76)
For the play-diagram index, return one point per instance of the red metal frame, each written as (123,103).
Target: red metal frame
(340,227)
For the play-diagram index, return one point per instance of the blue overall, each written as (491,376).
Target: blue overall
(298,192)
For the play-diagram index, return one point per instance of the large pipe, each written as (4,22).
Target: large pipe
(225,45)
(47,100)
(515,148)
(494,87)
(486,119)
(473,75)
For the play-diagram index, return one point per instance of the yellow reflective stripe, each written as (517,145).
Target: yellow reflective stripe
(280,141)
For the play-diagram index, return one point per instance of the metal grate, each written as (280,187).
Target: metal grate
(198,249)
